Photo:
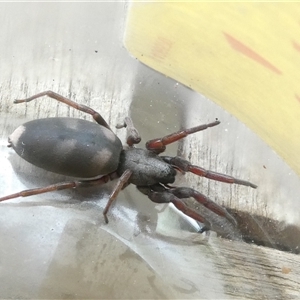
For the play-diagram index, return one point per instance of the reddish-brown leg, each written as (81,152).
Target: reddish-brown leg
(185,192)
(159,145)
(59,186)
(186,166)
(121,184)
(162,195)
(97,117)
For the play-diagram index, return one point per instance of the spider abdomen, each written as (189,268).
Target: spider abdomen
(67,146)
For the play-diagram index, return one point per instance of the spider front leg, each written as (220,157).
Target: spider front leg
(159,145)
(186,166)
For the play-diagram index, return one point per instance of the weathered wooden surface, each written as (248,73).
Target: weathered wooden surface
(244,270)
(252,272)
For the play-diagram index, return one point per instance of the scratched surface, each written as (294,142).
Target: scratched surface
(243,56)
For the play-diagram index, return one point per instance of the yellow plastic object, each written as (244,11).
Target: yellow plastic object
(243,56)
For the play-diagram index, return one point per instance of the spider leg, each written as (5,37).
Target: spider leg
(58,187)
(121,184)
(133,136)
(159,145)
(159,194)
(97,117)
(186,166)
(185,192)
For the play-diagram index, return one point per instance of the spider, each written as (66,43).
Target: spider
(93,153)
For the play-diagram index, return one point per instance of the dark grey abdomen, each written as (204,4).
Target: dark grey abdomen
(68,146)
